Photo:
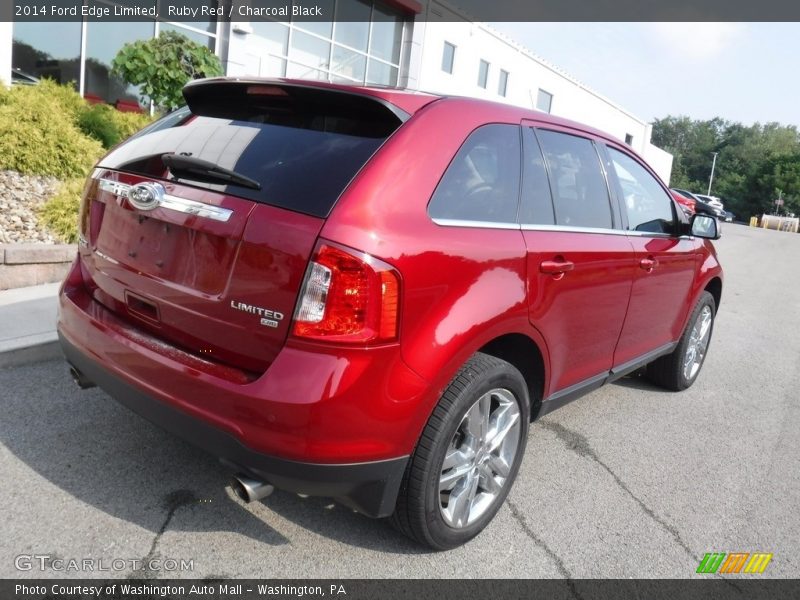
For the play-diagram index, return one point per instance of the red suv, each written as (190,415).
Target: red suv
(368,294)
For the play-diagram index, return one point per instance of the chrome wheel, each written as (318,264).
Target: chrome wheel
(698,343)
(479,458)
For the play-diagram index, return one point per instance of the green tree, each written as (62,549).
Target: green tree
(753,162)
(163,65)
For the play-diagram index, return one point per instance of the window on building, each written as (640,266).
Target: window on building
(502,84)
(483,74)
(361,45)
(647,205)
(448,57)
(103,40)
(482,181)
(580,194)
(536,206)
(544,101)
(629,139)
(46,50)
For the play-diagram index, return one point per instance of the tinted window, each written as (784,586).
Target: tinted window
(482,181)
(580,194)
(537,204)
(648,206)
(302,145)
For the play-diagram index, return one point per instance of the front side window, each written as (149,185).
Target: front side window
(482,181)
(483,74)
(647,205)
(580,193)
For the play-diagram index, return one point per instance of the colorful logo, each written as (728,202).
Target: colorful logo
(734,562)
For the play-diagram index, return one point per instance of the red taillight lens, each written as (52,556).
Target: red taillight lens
(348,296)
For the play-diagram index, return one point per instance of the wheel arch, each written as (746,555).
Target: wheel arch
(714,287)
(525,355)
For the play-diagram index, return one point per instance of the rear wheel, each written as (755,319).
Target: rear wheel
(678,370)
(468,455)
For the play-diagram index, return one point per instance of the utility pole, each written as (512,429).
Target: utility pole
(711,179)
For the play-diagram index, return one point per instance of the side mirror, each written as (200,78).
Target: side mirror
(705,226)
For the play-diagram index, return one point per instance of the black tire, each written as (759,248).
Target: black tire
(668,371)
(418,512)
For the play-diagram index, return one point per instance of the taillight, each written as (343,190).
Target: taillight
(348,296)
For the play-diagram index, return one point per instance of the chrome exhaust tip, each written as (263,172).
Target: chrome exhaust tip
(251,490)
(80,379)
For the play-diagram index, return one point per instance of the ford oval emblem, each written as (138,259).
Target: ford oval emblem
(146,196)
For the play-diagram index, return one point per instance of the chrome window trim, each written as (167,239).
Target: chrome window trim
(474,224)
(170,202)
(568,229)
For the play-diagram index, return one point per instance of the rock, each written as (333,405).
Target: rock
(20,197)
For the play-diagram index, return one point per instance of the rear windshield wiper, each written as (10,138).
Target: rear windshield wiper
(188,165)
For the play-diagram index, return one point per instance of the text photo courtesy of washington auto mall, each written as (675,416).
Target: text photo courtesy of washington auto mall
(399,298)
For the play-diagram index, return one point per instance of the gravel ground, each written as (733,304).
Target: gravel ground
(20,196)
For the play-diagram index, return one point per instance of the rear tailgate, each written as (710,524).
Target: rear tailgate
(211,266)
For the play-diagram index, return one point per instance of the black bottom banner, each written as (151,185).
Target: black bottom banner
(389,589)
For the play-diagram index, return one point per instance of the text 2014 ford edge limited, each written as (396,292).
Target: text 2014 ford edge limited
(368,294)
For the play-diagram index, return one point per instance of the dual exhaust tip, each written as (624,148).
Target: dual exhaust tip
(251,490)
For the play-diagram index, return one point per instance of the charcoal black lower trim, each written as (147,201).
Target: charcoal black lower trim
(370,488)
(573,392)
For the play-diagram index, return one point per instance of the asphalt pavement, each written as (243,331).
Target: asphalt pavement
(629,481)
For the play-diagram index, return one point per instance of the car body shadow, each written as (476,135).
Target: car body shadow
(101,453)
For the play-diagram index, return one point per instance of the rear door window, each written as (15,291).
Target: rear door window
(482,182)
(580,192)
(303,146)
(536,206)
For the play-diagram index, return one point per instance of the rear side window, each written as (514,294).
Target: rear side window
(647,205)
(482,181)
(302,145)
(580,193)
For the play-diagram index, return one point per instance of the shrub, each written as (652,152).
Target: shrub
(108,125)
(39,134)
(163,65)
(60,213)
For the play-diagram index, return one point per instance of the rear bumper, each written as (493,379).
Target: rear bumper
(320,421)
(370,487)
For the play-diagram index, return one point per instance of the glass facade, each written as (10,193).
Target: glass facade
(53,50)
(50,50)
(362,45)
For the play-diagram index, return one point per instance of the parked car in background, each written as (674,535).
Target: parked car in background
(687,204)
(701,206)
(728,216)
(20,77)
(369,294)
(713,201)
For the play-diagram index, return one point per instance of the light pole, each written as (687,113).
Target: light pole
(711,179)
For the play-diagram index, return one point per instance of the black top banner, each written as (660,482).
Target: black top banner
(420,10)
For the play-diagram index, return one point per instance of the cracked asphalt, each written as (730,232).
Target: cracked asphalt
(629,481)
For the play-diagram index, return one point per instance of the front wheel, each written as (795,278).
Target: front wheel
(467,457)
(678,370)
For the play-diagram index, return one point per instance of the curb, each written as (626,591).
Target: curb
(28,325)
(47,348)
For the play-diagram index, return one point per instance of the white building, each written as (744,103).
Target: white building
(426,46)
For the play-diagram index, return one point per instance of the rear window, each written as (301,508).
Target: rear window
(302,145)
